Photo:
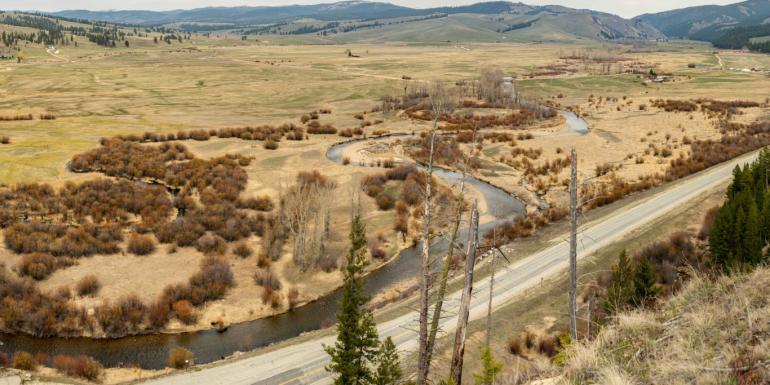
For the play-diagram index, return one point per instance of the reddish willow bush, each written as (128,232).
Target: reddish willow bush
(219,182)
(25,309)
(670,105)
(89,218)
(469,121)
(78,366)
(101,203)
(122,158)
(524,226)
(704,154)
(59,240)
(709,106)
(445,149)
(318,129)
(209,284)
(39,266)
(259,133)
(472,103)
(411,190)
(11,118)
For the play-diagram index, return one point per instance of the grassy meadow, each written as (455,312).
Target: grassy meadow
(219,82)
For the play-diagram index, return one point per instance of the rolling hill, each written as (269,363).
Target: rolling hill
(357,20)
(708,20)
(731,26)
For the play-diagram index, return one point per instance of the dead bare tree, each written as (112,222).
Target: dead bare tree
(456,368)
(444,276)
(573,249)
(441,102)
(496,251)
(489,303)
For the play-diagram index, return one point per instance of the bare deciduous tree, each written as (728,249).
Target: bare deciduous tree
(456,368)
(491,85)
(442,102)
(305,207)
(573,249)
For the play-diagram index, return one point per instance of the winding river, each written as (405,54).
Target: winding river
(151,351)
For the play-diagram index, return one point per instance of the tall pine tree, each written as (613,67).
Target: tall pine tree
(721,238)
(765,217)
(489,368)
(752,241)
(388,370)
(356,348)
(644,283)
(620,290)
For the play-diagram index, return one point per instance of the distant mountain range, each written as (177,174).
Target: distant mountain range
(738,25)
(695,21)
(482,21)
(729,26)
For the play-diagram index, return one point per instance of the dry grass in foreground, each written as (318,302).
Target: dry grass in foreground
(712,332)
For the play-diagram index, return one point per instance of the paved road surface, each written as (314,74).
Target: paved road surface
(303,363)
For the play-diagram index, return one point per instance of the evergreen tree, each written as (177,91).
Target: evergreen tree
(741,228)
(489,369)
(751,246)
(357,342)
(644,283)
(720,237)
(765,217)
(620,290)
(388,370)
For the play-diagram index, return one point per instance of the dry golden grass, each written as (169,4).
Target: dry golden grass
(96,92)
(712,332)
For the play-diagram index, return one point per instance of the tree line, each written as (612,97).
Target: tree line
(741,229)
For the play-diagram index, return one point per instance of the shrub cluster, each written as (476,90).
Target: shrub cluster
(670,105)
(79,366)
(209,284)
(124,317)
(88,285)
(260,133)
(24,361)
(11,118)
(350,132)
(24,308)
(141,244)
(39,266)
(243,250)
(524,116)
(271,286)
(262,203)
(445,149)
(179,358)
(59,240)
(524,226)
(318,129)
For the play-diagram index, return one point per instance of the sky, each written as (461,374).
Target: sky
(625,8)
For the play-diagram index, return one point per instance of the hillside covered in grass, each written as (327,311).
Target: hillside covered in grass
(356,21)
(715,331)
